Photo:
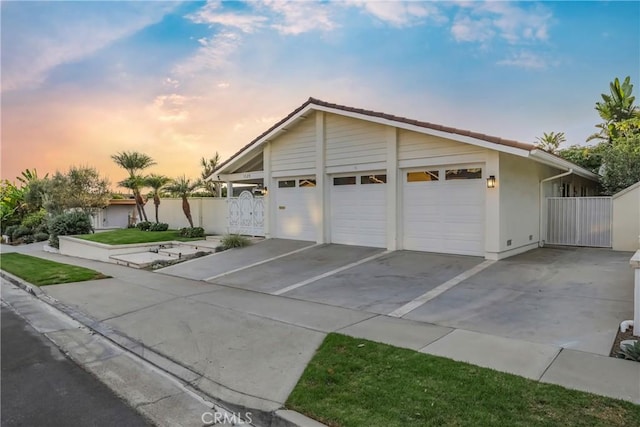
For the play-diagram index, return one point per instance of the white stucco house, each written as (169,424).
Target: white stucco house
(337,174)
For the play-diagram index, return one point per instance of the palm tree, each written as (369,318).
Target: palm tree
(156,182)
(183,187)
(550,141)
(208,166)
(133,162)
(135,183)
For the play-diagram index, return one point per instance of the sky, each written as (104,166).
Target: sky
(82,80)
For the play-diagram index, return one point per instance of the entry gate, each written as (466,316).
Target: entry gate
(246,214)
(579,221)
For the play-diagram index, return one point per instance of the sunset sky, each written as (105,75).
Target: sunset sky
(181,80)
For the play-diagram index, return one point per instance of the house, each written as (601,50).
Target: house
(118,213)
(337,174)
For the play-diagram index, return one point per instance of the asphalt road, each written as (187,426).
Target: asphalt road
(42,387)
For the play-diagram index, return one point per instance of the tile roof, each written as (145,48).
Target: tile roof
(380,115)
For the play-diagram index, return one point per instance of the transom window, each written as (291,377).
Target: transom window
(287,183)
(423,176)
(307,182)
(344,180)
(469,173)
(373,179)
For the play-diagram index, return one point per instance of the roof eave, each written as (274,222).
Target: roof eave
(555,161)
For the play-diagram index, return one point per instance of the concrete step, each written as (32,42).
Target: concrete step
(181,251)
(140,259)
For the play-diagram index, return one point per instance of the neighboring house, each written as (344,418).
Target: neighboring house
(336,174)
(117,214)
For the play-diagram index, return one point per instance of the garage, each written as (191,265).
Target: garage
(443,209)
(358,209)
(297,215)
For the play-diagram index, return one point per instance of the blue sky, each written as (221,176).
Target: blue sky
(181,80)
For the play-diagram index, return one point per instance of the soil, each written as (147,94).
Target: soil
(621,336)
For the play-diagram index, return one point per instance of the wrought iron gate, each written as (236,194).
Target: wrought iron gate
(579,221)
(246,214)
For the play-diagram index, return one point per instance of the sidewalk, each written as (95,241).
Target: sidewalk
(248,349)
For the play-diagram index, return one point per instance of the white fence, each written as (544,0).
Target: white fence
(579,221)
(209,213)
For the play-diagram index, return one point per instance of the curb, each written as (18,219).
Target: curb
(279,418)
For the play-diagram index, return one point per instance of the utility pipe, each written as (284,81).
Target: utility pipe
(542,205)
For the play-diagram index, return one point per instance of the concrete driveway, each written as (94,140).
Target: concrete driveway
(567,297)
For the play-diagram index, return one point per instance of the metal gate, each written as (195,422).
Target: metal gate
(246,214)
(579,221)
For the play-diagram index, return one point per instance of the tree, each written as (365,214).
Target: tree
(134,162)
(616,107)
(183,187)
(208,167)
(135,183)
(156,182)
(550,141)
(587,156)
(12,205)
(621,164)
(28,176)
(80,188)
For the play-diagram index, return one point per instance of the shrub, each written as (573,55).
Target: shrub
(10,230)
(159,226)
(68,224)
(143,226)
(192,232)
(35,220)
(29,238)
(41,237)
(630,351)
(235,241)
(20,231)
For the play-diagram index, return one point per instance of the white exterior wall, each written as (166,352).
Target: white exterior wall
(416,147)
(353,142)
(295,149)
(626,219)
(209,213)
(519,185)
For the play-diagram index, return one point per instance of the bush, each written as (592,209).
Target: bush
(234,241)
(630,351)
(41,237)
(35,220)
(159,226)
(28,238)
(20,231)
(143,226)
(10,230)
(192,232)
(68,224)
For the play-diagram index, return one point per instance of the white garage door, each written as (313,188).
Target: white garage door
(358,210)
(297,214)
(444,210)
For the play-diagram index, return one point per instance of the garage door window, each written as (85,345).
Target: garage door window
(471,173)
(307,182)
(423,176)
(373,179)
(344,180)
(289,183)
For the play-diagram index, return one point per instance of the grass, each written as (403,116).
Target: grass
(355,382)
(133,235)
(41,272)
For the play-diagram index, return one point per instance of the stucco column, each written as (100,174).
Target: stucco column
(492,232)
(392,188)
(266,183)
(322,187)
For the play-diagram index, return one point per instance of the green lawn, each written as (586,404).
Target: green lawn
(355,382)
(133,235)
(41,272)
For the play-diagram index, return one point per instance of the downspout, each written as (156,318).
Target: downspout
(542,205)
